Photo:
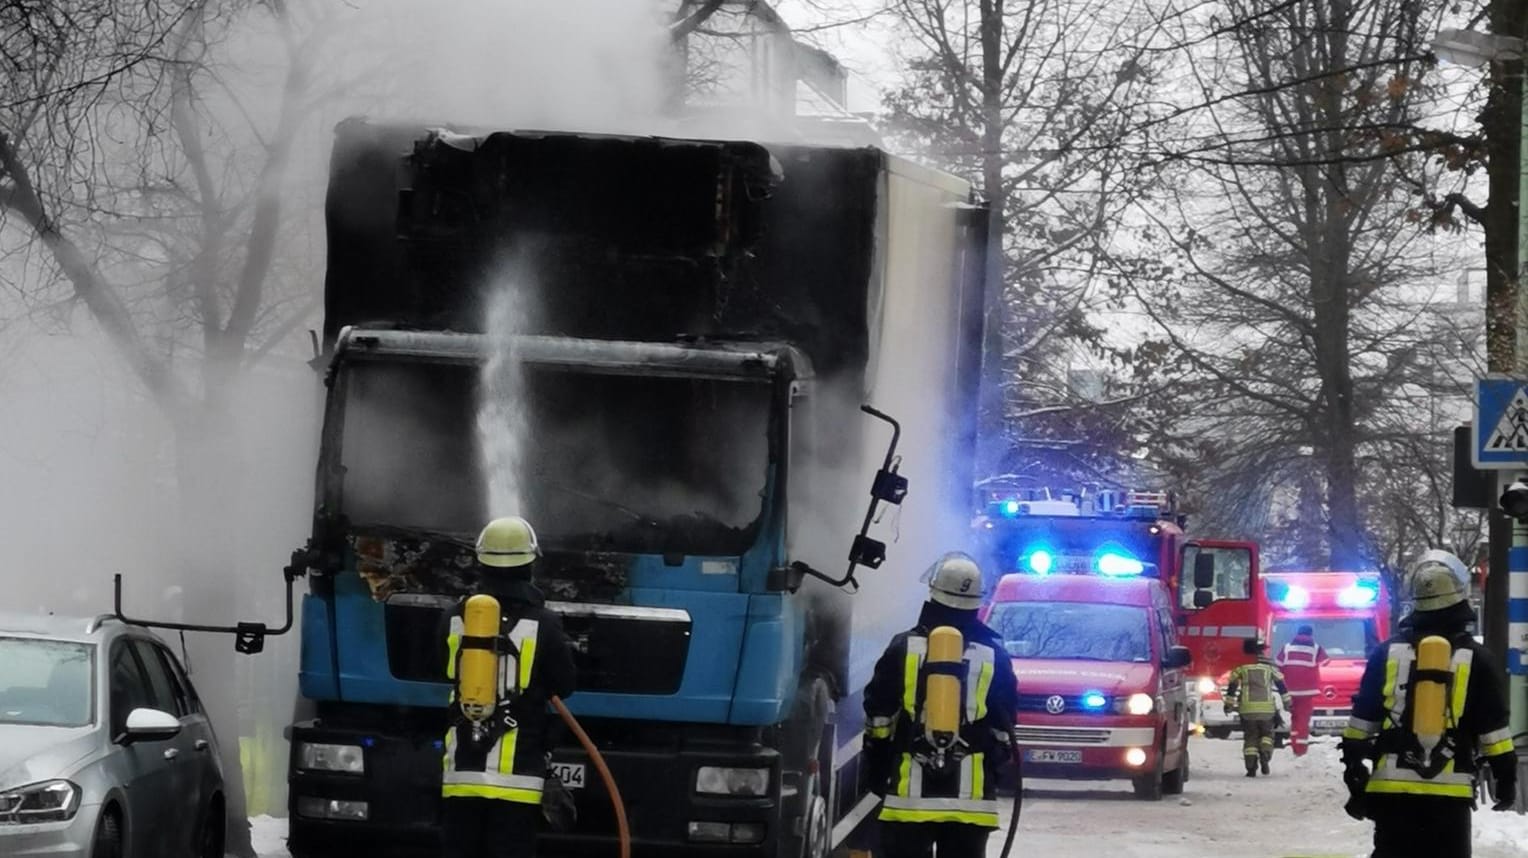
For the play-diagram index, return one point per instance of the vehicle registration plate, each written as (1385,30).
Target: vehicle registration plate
(1334,725)
(571,774)
(1048,756)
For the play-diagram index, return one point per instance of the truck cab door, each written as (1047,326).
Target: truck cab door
(1218,602)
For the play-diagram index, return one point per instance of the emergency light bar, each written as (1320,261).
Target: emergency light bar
(1013,504)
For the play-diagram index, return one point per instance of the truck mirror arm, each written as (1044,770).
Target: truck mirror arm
(249,638)
(889,487)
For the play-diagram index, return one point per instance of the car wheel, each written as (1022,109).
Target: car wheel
(1148,787)
(1218,732)
(107,842)
(209,838)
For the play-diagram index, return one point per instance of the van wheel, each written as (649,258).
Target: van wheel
(1218,732)
(107,842)
(1148,787)
(1173,781)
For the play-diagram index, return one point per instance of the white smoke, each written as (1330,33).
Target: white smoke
(501,420)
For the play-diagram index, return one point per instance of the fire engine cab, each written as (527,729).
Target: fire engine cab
(1214,586)
(1349,612)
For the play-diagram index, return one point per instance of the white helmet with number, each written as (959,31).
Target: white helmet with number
(955,581)
(1437,580)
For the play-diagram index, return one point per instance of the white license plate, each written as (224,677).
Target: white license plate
(1045,756)
(571,774)
(1324,724)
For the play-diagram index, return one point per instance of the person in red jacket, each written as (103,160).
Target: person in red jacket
(1301,661)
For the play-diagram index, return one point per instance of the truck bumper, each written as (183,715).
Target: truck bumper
(400,790)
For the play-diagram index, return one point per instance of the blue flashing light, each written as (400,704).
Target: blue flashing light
(1360,595)
(1094,701)
(1010,508)
(1295,598)
(1040,561)
(1119,563)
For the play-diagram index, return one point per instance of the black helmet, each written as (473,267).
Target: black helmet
(1254,645)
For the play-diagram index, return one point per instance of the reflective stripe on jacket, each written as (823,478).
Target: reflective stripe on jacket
(508,760)
(1252,688)
(1380,721)
(1300,660)
(964,791)
(491,773)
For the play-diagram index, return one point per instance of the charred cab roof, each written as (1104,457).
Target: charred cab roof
(612,357)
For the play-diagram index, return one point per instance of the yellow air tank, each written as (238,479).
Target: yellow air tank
(1430,696)
(941,695)
(478,671)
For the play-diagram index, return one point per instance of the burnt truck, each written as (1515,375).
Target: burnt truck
(693,328)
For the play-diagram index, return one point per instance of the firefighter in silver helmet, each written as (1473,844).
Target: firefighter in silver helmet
(496,761)
(940,785)
(1428,705)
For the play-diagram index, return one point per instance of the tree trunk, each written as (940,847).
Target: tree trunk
(992,431)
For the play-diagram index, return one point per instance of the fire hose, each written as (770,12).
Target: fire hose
(623,832)
(1018,797)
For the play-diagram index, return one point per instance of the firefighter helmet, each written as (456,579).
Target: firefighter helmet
(1254,645)
(955,581)
(507,543)
(1437,580)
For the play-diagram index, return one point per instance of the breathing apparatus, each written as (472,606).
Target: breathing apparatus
(477,693)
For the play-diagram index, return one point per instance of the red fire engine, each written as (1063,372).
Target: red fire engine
(1215,585)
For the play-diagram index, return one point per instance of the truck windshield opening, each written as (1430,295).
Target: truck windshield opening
(1341,637)
(624,463)
(1060,631)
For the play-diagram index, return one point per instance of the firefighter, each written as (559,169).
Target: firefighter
(1429,704)
(939,716)
(1255,692)
(1301,661)
(496,763)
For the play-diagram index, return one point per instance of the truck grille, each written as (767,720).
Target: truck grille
(616,648)
(1062,736)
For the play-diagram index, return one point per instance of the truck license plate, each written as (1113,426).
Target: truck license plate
(571,774)
(1328,725)
(1046,756)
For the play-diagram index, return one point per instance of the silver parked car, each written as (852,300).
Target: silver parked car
(105,750)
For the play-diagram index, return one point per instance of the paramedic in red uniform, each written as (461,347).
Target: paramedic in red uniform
(1301,661)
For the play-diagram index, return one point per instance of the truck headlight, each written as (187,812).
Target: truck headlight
(1140,704)
(323,757)
(723,780)
(1206,685)
(48,801)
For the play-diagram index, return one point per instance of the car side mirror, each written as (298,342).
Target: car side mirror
(1177,656)
(1204,571)
(1203,598)
(149,725)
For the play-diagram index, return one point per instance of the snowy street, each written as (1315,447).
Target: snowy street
(1294,813)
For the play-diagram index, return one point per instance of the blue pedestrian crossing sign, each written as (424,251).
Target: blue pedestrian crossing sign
(1501,424)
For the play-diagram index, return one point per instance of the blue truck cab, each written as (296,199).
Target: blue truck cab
(655,350)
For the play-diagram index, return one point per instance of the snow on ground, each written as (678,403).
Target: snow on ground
(1296,811)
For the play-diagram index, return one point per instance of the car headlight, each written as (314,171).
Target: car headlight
(722,780)
(1206,685)
(49,801)
(1140,704)
(323,757)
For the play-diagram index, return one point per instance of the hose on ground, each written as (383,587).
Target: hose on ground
(622,831)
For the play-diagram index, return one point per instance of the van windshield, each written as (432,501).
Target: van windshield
(1073,631)
(46,682)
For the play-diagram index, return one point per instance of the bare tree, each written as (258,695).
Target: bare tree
(1297,299)
(1033,102)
